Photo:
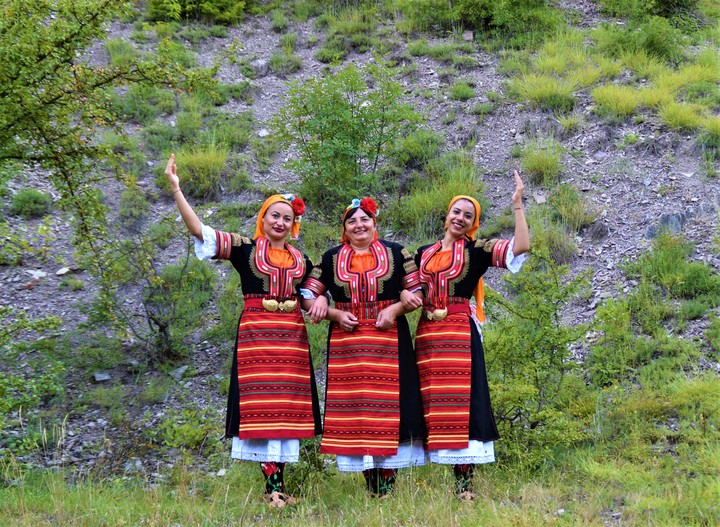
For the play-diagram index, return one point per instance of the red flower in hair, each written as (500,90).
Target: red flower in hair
(368,205)
(298,206)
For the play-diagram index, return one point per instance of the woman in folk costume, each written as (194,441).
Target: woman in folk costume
(455,394)
(272,402)
(373,416)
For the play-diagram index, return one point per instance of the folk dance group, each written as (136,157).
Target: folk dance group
(387,405)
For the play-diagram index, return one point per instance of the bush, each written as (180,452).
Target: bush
(418,147)
(569,207)
(544,91)
(553,236)
(541,160)
(121,51)
(538,398)
(617,102)
(30,203)
(421,213)
(284,63)
(342,126)
(654,37)
(203,169)
(221,11)
(461,91)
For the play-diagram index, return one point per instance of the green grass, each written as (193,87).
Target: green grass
(541,160)
(461,91)
(544,91)
(616,102)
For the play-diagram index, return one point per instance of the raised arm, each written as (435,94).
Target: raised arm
(522,234)
(192,222)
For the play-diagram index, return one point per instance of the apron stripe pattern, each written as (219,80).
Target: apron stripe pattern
(362,413)
(444,364)
(274,390)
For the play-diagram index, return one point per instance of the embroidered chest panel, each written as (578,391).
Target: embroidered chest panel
(442,282)
(364,286)
(278,282)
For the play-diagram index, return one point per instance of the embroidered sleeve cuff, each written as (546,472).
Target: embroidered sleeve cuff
(512,262)
(411,281)
(315,286)
(207,248)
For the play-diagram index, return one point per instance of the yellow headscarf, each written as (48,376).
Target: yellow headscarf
(479,292)
(277,198)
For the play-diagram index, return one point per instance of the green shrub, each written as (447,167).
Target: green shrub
(342,125)
(461,91)
(176,53)
(681,116)
(239,91)
(284,63)
(157,389)
(544,91)
(422,211)
(30,203)
(74,284)
(655,37)
(553,236)
(287,42)
(278,20)
(203,169)
(142,104)
(418,147)
(617,102)
(709,138)
(121,51)
(538,398)
(570,207)
(541,160)
(186,429)
(221,11)
(667,266)
(229,129)
(134,207)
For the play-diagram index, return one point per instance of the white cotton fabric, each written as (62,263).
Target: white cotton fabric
(476,452)
(278,450)
(408,454)
(512,262)
(206,248)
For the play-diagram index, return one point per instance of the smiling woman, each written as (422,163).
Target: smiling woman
(272,402)
(456,398)
(373,419)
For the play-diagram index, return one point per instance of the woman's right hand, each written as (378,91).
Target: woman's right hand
(347,321)
(319,309)
(171,173)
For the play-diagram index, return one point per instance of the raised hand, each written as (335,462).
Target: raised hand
(171,173)
(519,187)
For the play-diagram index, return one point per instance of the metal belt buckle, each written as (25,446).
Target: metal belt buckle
(270,304)
(438,314)
(288,305)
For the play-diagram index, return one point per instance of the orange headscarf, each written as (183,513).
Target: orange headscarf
(277,198)
(479,292)
(368,205)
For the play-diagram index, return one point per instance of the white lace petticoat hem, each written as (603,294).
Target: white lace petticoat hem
(278,450)
(409,454)
(476,453)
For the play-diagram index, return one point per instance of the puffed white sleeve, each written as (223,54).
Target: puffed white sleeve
(512,263)
(207,248)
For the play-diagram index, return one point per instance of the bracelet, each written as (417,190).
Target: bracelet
(178,190)
(518,208)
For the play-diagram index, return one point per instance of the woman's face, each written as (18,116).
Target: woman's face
(360,228)
(460,218)
(278,221)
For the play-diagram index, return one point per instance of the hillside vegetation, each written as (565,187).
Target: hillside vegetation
(603,354)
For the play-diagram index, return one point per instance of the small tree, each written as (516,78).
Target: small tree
(538,401)
(343,126)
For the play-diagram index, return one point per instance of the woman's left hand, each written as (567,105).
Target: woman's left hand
(519,187)
(386,318)
(410,301)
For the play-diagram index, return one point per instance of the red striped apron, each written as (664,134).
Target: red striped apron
(273,371)
(444,364)
(362,404)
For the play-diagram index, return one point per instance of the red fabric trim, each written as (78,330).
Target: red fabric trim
(223,245)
